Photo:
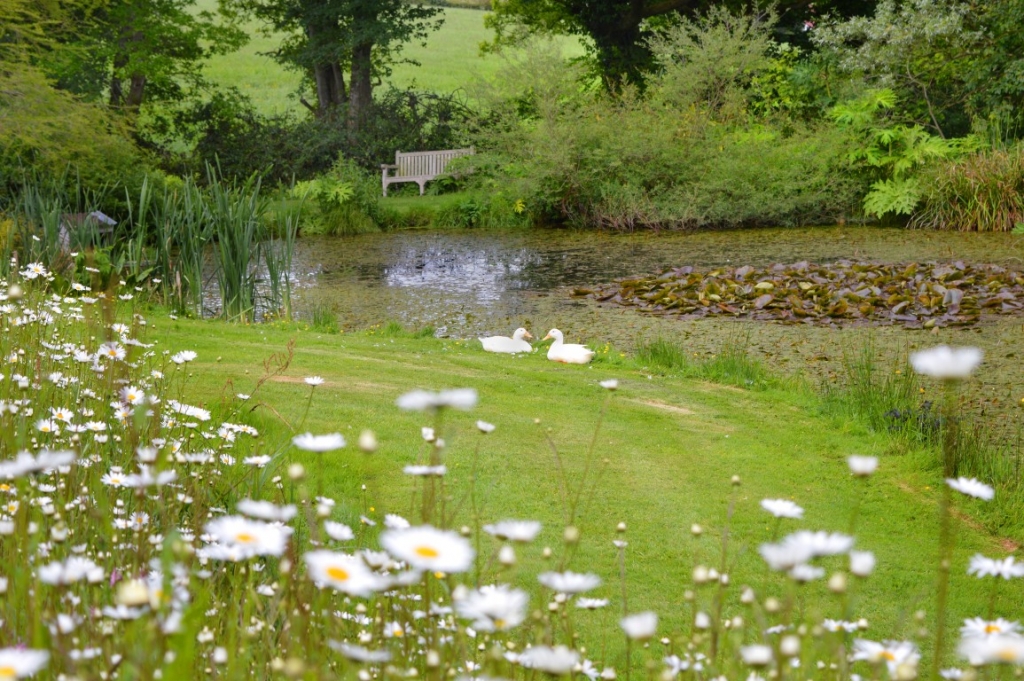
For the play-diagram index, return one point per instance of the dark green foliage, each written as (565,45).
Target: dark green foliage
(226,129)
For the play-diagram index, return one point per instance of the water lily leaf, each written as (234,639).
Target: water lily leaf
(762,301)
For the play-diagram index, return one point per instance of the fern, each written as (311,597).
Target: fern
(898,196)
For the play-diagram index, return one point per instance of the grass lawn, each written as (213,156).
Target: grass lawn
(449,61)
(669,446)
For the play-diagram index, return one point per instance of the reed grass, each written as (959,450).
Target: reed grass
(980,192)
(732,365)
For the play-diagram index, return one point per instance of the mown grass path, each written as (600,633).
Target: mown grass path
(671,446)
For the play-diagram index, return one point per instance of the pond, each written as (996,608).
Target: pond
(468,283)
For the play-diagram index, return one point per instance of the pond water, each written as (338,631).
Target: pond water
(467,283)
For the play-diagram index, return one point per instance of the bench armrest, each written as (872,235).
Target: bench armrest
(388,165)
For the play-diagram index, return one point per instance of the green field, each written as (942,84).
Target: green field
(449,61)
(670,447)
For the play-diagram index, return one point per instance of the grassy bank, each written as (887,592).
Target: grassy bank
(671,446)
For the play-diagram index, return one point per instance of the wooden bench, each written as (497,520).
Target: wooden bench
(419,166)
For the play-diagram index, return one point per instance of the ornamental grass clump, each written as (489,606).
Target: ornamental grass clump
(147,534)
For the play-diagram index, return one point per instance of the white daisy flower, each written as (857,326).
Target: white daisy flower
(946,363)
(569,582)
(313,380)
(427,548)
(782,508)
(342,572)
(514,530)
(248,538)
(556,661)
(494,608)
(1006,568)
(892,653)
(265,510)
(862,563)
(358,653)
(591,603)
(978,627)
(862,466)
(426,471)
(422,400)
(18,663)
(338,531)
(74,569)
(757,655)
(640,626)
(395,522)
(319,443)
(998,649)
(972,487)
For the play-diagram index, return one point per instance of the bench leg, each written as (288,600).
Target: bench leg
(422,184)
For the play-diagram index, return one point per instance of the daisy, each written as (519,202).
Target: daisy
(494,608)
(1005,568)
(264,510)
(806,573)
(556,661)
(190,411)
(485,427)
(61,414)
(342,572)
(358,653)
(313,380)
(820,543)
(422,400)
(338,531)
(946,363)
(132,395)
(862,563)
(258,461)
(318,443)
(74,569)
(17,663)
(395,522)
(514,530)
(112,351)
(569,582)
(978,627)
(862,466)
(972,487)
(756,655)
(782,508)
(892,653)
(427,548)
(785,555)
(591,603)
(249,537)
(48,426)
(980,650)
(640,626)
(183,357)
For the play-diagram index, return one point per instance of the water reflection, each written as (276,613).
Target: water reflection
(467,282)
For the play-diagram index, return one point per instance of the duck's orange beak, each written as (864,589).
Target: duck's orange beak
(528,335)
(547,337)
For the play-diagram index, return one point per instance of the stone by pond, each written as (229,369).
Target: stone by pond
(917,295)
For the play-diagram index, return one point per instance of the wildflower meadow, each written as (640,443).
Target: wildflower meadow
(145,534)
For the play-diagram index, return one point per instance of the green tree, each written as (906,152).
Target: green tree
(328,36)
(136,50)
(617,32)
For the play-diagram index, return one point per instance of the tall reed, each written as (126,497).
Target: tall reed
(237,216)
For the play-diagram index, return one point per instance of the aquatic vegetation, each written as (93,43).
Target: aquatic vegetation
(915,295)
(146,534)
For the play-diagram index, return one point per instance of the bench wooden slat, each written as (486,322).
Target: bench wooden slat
(419,166)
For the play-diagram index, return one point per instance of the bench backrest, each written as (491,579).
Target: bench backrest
(426,163)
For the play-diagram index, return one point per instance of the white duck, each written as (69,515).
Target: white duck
(508,345)
(567,353)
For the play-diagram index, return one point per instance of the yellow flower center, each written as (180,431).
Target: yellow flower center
(337,573)
(245,538)
(499,623)
(1007,655)
(427,552)
(886,655)
(992,629)
(8,673)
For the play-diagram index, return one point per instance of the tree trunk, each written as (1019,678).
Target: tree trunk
(136,90)
(360,94)
(116,90)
